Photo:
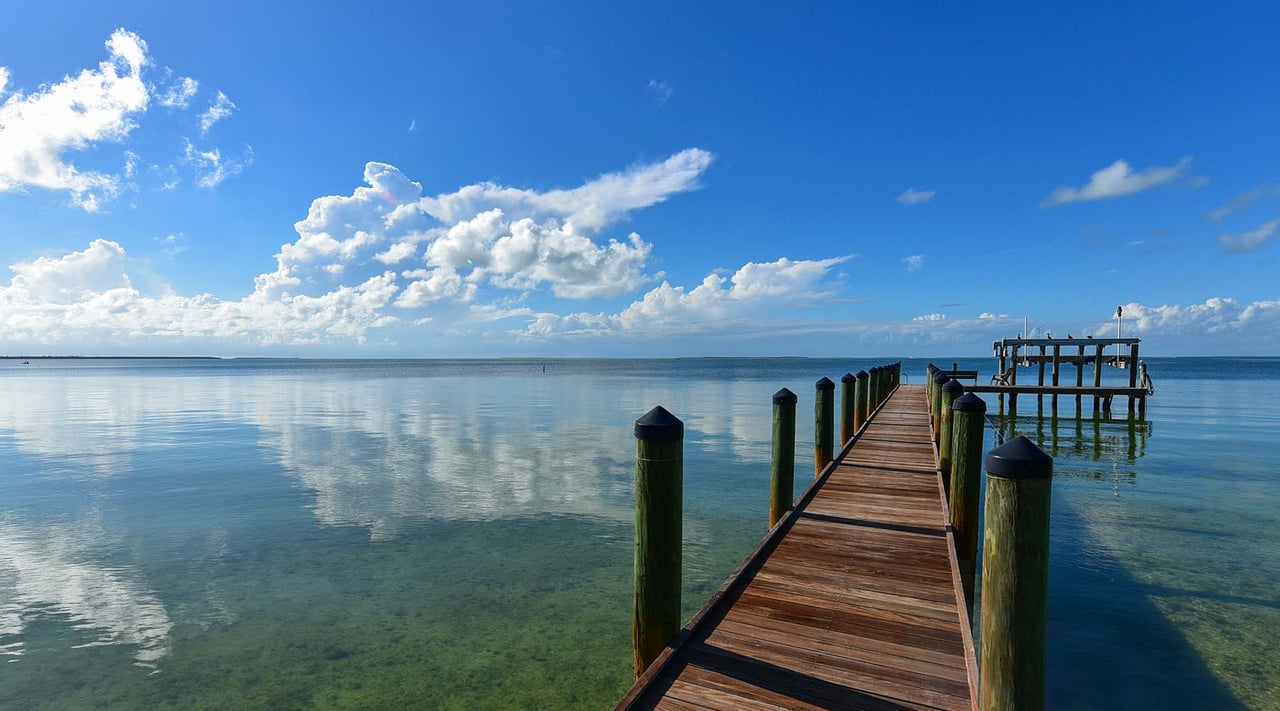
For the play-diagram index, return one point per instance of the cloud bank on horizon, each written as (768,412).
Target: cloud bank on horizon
(495,266)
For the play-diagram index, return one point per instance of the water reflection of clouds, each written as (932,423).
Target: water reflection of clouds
(43,570)
(375,453)
(378,452)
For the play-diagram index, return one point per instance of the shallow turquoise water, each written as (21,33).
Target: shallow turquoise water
(457,534)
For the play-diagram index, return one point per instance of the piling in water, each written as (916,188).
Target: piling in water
(1015,577)
(951,390)
(968,413)
(863,391)
(655,619)
(848,384)
(824,412)
(782,480)
(936,409)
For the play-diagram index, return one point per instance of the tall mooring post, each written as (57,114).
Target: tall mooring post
(938,381)
(951,390)
(968,415)
(783,474)
(1015,577)
(655,618)
(863,391)
(824,417)
(848,398)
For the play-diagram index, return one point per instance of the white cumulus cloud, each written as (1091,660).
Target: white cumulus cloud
(755,289)
(1216,315)
(87,298)
(1116,180)
(97,105)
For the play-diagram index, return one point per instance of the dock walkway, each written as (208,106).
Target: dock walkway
(852,601)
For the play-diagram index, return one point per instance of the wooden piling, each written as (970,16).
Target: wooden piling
(824,415)
(848,383)
(1142,400)
(1057,355)
(655,618)
(863,391)
(1015,577)
(968,415)
(1133,373)
(1003,366)
(783,475)
(951,390)
(1097,377)
(936,410)
(1079,379)
(1040,379)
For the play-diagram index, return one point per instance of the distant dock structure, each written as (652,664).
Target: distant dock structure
(1038,354)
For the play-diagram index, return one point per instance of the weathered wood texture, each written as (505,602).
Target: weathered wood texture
(853,601)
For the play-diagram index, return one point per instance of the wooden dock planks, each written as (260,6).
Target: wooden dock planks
(852,601)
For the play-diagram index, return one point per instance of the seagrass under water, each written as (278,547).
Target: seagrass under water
(458,533)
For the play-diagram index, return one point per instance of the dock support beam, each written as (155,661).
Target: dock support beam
(655,618)
(783,475)
(968,415)
(1015,577)
(824,420)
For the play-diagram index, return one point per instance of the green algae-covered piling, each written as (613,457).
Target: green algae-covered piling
(951,390)
(824,415)
(782,481)
(1015,577)
(655,618)
(968,413)
(848,386)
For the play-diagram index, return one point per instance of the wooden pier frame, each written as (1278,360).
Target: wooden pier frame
(1050,354)
(854,600)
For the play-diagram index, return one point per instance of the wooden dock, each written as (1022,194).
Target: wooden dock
(853,601)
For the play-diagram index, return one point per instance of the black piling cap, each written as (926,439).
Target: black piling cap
(863,375)
(659,425)
(847,378)
(939,378)
(969,402)
(953,386)
(1019,458)
(784,397)
(825,384)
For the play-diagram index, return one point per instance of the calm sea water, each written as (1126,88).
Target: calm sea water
(457,534)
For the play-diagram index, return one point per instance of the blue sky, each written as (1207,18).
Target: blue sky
(684,179)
